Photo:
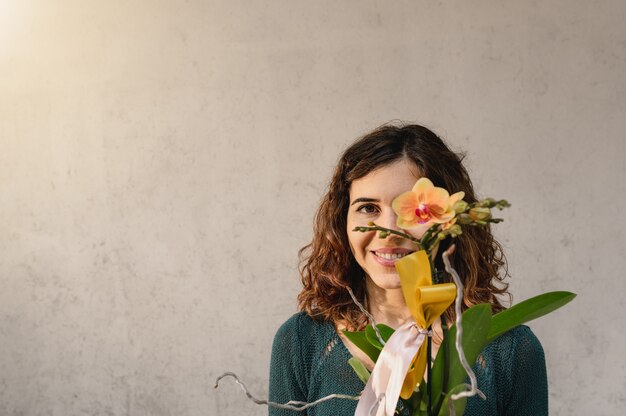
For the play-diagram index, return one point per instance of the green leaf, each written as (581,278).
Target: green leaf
(476,322)
(385,333)
(358,338)
(527,310)
(459,405)
(367,340)
(360,370)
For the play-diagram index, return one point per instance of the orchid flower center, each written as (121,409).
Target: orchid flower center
(423,213)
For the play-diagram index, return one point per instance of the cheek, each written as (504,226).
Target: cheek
(349,233)
(358,242)
(351,246)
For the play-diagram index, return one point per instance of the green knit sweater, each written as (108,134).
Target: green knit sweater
(309,361)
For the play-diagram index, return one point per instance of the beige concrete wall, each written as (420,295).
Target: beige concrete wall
(160,162)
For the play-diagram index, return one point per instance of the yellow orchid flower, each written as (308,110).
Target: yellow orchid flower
(423,206)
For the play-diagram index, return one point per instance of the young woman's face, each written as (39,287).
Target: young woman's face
(370,201)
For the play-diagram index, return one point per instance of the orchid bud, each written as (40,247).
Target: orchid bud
(463,219)
(480,222)
(503,203)
(455,230)
(460,206)
(487,203)
(480,214)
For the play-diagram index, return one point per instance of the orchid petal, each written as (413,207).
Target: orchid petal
(414,228)
(438,196)
(454,198)
(422,185)
(404,205)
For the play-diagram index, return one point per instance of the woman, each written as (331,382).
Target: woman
(310,354)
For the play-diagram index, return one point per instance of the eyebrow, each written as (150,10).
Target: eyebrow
(363,200)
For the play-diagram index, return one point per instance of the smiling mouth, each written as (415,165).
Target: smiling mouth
(391,256)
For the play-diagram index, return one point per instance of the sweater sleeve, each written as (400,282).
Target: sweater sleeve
(287,375)
(528,395)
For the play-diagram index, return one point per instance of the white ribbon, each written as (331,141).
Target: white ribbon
(385,382)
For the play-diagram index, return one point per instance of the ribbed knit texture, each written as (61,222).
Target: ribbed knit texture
(309,361)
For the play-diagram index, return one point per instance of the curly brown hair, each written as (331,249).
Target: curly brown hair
(327,265)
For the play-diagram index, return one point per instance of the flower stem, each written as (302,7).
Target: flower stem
(429,387)
(387,230)
(445,350)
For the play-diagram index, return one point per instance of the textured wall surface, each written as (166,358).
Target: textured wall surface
(161,161)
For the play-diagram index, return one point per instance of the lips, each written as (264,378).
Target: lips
(388,256)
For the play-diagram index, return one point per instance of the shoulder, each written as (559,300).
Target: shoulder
(295,322)
(521,372)
(519,363)
(301,322)
(520,333)
(520,339)
(298,344)
(511,371)
(515,349)
(301,328)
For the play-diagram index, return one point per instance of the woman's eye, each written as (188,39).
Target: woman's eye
(368,209)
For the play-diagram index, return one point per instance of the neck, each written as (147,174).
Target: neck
(387,306)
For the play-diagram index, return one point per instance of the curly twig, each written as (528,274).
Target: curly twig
(298,406)
(459,334)
(369,316)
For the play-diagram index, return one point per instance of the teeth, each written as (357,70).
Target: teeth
(391,256)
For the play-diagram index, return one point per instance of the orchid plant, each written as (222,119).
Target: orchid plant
(428,215)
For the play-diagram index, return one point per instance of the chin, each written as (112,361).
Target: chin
(386,282)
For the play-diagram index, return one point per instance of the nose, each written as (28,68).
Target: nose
(388,219)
